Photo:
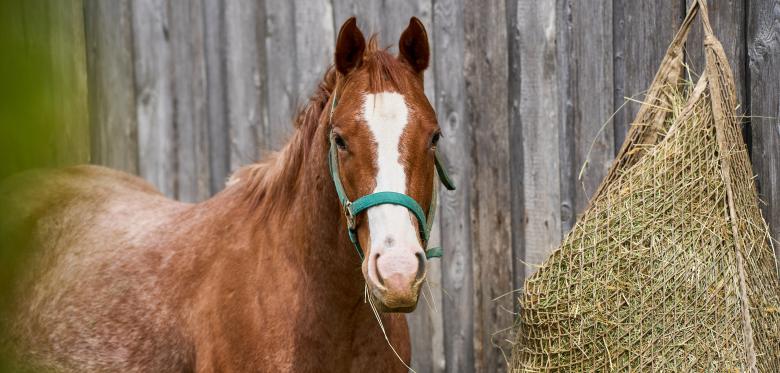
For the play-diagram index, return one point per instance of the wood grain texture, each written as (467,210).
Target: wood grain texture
(763,48)
(569,167)
(282,86)
(315,40)
(189,100)
(456,146)
(486,66)
(592,79)
(153,94)
(244,80)
(536,102)
(647,28)
(214,44)
(368,13)
(114,136)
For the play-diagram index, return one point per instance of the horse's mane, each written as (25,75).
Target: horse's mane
(272,182)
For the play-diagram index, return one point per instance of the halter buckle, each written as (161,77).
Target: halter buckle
(349,215)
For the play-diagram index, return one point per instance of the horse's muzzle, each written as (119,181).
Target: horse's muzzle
(394,277)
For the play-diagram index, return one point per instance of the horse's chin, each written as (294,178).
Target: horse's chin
(391,304)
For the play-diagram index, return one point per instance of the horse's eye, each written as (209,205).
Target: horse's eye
(340,142)
(435,139)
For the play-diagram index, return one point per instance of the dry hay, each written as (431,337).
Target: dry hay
(671,267)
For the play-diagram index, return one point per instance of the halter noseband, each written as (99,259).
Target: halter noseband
(354,208)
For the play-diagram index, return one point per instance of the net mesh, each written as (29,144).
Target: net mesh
(671,267)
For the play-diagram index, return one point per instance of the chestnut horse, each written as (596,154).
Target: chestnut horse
(261,277)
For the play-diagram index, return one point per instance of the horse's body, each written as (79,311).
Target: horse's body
(127,280)
(261,277)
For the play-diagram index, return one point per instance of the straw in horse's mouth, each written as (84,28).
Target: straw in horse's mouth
(369,297)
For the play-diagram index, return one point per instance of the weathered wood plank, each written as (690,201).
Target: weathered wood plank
(219,147)
(536,102)
(112,119)
(244,80)
(567,161)
(189,100)
(457,277)
(763,35)
(282,85)
(592,78)
(315,42)
(368,13)
(153,96)
(647,29)
(486,90)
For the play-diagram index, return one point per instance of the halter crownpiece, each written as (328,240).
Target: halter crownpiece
(354,208)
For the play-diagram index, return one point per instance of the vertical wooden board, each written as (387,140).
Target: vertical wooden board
(189,100)
(396,15)
(619,26)
(486,89)
(648,28)
(764,60)
(591,73)
(214,39)
(108,33)
(368,13)
(315,43)
(535,101)
(154,99)
(282,85)
(244,79)
(69,82)
(728,23)
(458,305)
(567,160)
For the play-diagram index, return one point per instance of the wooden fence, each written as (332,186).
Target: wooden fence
(183,92)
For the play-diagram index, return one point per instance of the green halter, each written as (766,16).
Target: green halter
(353,208)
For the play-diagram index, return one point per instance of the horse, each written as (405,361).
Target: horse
(263,276)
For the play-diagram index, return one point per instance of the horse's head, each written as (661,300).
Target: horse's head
(385,132)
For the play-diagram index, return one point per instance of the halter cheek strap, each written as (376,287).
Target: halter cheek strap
(354,208)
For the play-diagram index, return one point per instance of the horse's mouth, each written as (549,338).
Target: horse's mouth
(391,303)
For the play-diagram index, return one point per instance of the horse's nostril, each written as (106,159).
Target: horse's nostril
(376,270)
(420,265)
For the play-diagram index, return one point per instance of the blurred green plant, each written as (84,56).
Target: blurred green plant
(43,106)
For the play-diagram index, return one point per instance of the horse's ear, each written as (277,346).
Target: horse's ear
(413,46)
(350,47)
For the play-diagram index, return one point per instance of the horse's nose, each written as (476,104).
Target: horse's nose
(397,272)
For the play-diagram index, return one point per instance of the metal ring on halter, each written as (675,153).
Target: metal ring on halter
(349,215)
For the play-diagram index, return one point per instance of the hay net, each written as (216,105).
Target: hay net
(671,267)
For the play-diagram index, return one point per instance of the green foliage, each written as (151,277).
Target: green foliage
(43,107)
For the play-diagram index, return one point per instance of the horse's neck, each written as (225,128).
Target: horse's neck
(306,229)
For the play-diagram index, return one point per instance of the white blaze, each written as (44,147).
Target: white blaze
(386,114)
